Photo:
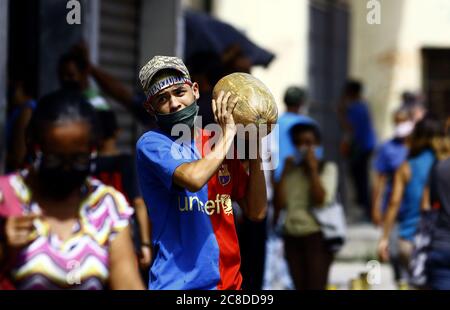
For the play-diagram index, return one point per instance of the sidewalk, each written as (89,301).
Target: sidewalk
(343,276)
(361,244)
(348,266)
(354,258)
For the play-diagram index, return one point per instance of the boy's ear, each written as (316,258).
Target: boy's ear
(196,91)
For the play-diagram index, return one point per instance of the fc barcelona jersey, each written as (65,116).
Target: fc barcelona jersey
(193,234)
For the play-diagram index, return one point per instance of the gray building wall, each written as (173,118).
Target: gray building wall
(56,36)
(160,29)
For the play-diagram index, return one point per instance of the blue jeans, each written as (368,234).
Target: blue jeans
(438,269)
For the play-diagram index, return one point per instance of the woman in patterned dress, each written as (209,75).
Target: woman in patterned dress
(67,231)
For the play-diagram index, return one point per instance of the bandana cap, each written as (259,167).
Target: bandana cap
(152,85)
(165,79)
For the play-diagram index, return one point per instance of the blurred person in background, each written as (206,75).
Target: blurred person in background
(131,100)
(408,99)
(252,237)
(414,103)
(73,74)
(282,147)
(408,192)
(21,105)
(235,60)
(55,218)
(359,140)
(307,182)
(206,68)
(118,170)
(437,265)
(388,158)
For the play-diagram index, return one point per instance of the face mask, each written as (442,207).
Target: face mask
(185,116)
(58,182)
(300,154)
(403,129)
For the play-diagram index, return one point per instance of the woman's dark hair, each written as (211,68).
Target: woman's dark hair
(61,107)
(301,128)
(423,134)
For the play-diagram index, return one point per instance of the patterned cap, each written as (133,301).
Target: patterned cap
(157,64)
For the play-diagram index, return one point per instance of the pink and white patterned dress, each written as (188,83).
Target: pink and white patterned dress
(81,261)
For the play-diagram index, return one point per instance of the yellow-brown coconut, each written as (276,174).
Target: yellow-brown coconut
(256,104)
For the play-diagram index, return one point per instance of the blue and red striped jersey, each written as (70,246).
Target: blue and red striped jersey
(193,234)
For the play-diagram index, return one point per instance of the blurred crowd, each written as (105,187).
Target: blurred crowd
(399,184)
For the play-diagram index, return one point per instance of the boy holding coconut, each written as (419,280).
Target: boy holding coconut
(188,188)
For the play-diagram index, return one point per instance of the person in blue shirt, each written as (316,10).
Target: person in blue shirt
(388,157)
(359,140)
(294,98)
(189,187)
(409,189)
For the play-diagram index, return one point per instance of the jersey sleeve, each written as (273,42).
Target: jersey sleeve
(160,157)
(242,178)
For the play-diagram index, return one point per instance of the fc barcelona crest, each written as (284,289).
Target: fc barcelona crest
(224,175)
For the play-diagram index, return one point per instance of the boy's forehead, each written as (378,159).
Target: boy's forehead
(171,88)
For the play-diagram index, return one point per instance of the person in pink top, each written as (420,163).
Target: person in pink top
(60,228)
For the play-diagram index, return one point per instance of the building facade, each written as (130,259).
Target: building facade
(122,35)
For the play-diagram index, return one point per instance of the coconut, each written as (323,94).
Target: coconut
(256,104)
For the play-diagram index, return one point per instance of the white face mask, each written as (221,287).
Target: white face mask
(403,129)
